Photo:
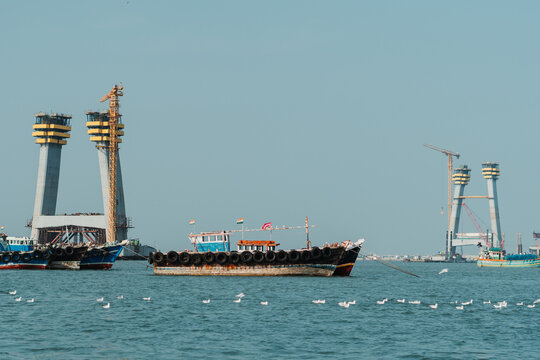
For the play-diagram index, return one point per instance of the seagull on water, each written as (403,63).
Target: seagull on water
(100,299)
(487,302)
(241,295)
(459,307)
(238,300)
(467,302)
(120,297)
(352,302)
(147,299)
(531,306)
(13,292)
(18,299)
(434,306)
(345,304)
(536,301)
(206,301)
(30,300)
(402,301)
(106,306)
(381,302)
(519,303)
(498,306)
(318,301)
(415,302)
(445,270)
(264,303)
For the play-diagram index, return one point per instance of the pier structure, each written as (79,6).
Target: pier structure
(491,173)
(461,178)
(51,133)
(99,131)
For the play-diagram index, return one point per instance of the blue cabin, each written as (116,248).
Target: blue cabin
(210,241)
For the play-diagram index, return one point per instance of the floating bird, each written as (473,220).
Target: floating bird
(467,302)
(531,306)
(443,271)
(241,295)
(353,302)
(385,299)
(237,300)
(18,299)
(13,292)
(415,302)
(106,306)
(318,301)
(147,299)
(264,303)
(519,303)
(100,299)
(503,303)
(206,301)
(30,301)
(120,297)
(487,302)
(434,306)
(455,302)
(402,301)
(380,302)
(346,304)
(459,307)
(498,306)
(322,301)
(536,301)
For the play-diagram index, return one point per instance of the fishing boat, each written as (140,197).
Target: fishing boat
(497,257)
(213,256)
(347,261)
(18,253)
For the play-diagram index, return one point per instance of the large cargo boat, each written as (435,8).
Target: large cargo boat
(213,257)
(496,257)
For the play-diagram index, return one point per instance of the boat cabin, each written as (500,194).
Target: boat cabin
(210,241)
(253,245)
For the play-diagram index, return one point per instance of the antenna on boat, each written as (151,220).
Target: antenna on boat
(308,243)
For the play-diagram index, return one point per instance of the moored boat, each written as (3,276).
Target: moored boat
(496,257)
(212,257)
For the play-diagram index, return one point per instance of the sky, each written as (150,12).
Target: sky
(277,110)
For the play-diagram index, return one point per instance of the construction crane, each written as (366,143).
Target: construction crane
(475,223)
(114,117)
(450,154)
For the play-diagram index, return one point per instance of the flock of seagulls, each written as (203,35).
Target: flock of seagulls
(19,298)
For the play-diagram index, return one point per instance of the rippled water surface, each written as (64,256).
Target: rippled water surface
(66,321)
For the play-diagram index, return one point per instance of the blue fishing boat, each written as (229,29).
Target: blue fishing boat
(100,257)
(19,253)
(496,257)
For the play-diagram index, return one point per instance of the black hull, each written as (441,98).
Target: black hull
(347,261)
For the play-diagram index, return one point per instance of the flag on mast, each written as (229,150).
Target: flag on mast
(267,225)
(191,222)
(240,221)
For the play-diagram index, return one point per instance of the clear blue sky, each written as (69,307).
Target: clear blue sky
(276,110)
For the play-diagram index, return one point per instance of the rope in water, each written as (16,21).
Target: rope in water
(383,262)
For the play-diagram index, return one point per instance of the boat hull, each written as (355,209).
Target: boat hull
(496,263)
(248,270)
(64,265)
(347,261)
(100,259)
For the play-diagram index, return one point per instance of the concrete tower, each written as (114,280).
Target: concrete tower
(98,129)
(51,132)
(460,178)
(491,172)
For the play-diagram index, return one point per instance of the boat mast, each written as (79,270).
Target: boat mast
(308,243)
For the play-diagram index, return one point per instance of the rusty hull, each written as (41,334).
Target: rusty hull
(248,270)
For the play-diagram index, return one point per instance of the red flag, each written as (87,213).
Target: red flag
(268,225)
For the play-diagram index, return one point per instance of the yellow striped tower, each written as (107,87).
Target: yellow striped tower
(461,178)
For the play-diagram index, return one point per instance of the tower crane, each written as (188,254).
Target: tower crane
(114,117)
(450,154)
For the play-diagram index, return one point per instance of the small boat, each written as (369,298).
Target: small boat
(212,257)
(496,257)
(18,253)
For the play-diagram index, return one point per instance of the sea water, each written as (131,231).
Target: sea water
(65,321)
